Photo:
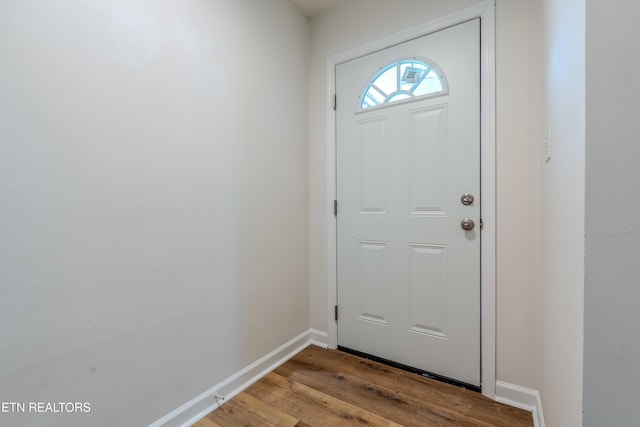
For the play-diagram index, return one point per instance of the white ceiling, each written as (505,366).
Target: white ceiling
(313,7)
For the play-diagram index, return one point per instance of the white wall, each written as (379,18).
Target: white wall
(563,211)
(612,294)
(518,183)
(359,21)
(154,217)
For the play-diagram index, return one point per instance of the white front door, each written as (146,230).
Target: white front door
(408,150)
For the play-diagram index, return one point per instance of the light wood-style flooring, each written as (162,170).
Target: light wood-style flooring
(320,387)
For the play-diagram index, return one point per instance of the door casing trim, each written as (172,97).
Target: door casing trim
(486,12)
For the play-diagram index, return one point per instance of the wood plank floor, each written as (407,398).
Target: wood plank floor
(330,388)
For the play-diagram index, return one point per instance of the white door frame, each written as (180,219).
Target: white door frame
(486,12)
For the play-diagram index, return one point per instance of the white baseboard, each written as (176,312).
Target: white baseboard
(319,338)
(523,398)
(197,408)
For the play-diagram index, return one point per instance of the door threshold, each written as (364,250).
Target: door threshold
(420,372)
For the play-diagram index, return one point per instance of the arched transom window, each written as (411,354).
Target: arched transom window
(404,80)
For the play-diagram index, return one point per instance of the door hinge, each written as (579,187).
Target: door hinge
(335,312)
(481,224)
(335,208)
(335,102)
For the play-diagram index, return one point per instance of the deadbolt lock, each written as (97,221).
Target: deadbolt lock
(467,224)
(467,199)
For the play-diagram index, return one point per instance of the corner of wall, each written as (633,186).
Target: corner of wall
(523,398)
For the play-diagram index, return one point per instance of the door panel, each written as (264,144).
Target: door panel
(373,283)
(373,180)
(408,274)
(427,143)
(428,290)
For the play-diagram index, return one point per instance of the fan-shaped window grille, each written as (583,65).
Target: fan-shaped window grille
(404,80)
